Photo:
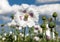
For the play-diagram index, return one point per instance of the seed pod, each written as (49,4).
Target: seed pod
(2,25)
(54,15)
(56,33)
(43,26)
(51,25)
(43,18)
(12,16)
(50,19)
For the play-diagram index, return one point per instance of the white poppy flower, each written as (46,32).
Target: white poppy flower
(0,36)
(20,20)
(36,38)
(35,13)
(30,23)
(38,27)
(22,35)
(47,26)
(15,37)
(10,32)
(48,33)
(35,31)
(27,35)
(5,34)
(12,23)
(19,28)
(3,38)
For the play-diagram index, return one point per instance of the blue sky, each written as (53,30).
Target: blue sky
(19,2)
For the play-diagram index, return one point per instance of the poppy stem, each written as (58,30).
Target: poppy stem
(51,34)
(24,33)
(55,23)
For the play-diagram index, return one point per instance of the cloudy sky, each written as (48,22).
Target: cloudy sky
(45,7)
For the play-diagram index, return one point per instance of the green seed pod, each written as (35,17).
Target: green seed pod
(2,25)
(43,18)
(43,26)
(56,33)
(54,15)
(12,16)
(50,19)
(51,25)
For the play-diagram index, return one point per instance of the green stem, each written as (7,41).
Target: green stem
(55,29)
(55,23)
(30,32)
(56,38)
(24,34)
(51,34)
(43,35)
(45,30)
(2,41)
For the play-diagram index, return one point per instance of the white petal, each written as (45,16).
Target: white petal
(36,38)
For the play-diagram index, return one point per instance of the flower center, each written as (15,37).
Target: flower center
(26,17)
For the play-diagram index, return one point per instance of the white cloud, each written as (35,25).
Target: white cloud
(44,1)
(4,7)
(5,18)
(49,8)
